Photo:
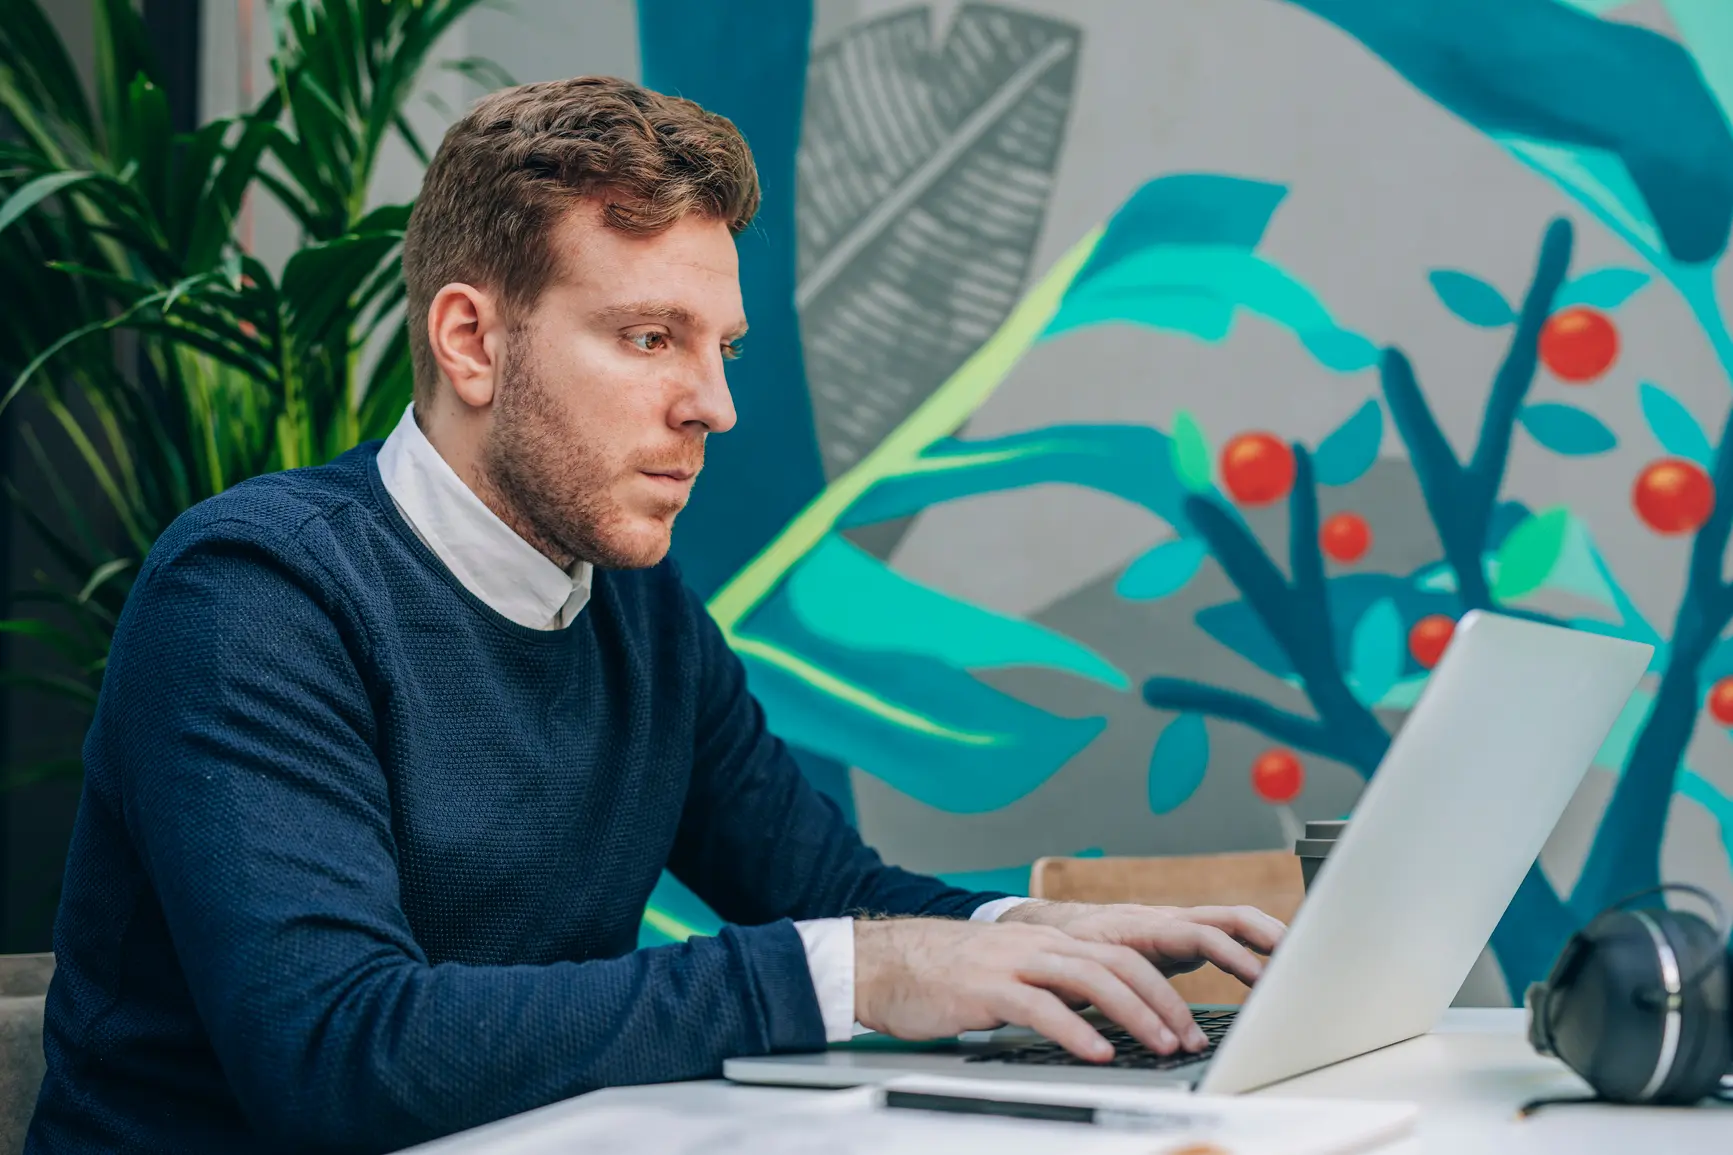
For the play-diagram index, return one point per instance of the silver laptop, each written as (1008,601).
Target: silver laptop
(1445,831)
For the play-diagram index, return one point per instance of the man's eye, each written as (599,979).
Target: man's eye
(732,350)
(649,342)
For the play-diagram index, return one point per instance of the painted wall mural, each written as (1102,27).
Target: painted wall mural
(1301,587)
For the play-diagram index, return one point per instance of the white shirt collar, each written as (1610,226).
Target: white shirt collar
(511,576)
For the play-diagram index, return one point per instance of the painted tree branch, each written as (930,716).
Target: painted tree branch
(1626,854)
(1298,617)
(1183,696)
(1461,498)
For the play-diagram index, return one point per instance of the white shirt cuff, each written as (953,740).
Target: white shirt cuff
(995,910)
(829,944)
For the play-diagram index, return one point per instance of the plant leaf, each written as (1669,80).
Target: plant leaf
(1566,429)
(1378,652)
(1191,462)
(1178,763)
(1606,288)
(1345,455)
(1163,570)
(34,192)
(919,215)
(1529,553)
(1674,427)
(1471,299)
(844,595)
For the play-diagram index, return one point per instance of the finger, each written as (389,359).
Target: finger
(1230,955)
(1075,973)
(1260,931)
(1040,1010)
(1150,985)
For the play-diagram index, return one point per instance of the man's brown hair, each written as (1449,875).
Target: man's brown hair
(505,173)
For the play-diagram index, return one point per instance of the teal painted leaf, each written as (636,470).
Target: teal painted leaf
(1196,289)
(1601,288)
(1378,651)
(912,719)
(1178,763)
(1706,27)
(1132,462)
(845,595)
(1566,429)
(1599,181)
(1163,570)
(1673,425)
(1529,553)
(1184,209)
(1190,453)
(1345,455)
(1471,299)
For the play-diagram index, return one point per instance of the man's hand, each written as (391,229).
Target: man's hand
(1176,939)
(924,978)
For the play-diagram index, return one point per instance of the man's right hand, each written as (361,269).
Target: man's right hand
(929,978)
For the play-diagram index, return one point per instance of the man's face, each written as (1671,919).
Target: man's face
(611,382)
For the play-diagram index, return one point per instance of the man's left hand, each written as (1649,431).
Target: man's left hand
(1176,939)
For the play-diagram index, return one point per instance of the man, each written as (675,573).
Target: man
(390,752)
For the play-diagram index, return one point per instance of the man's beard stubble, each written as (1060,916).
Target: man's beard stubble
(550,484)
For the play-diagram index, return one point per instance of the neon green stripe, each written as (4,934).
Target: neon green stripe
(668,926)
(857,696)
(941,414)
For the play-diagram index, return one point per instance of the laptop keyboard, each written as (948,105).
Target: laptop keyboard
(1127,1051)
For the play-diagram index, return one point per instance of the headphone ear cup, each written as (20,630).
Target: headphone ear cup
(1598,1026)
(1705,1034)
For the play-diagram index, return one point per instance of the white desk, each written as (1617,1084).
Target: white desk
(1469,1077)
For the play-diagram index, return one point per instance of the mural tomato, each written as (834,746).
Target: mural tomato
(1278,776)
(1721,701)
(1429,638)
(1345,537)
(1673,496)
(1257,468)
(1578,344)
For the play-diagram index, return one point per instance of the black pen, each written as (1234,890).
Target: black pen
(1115,1117)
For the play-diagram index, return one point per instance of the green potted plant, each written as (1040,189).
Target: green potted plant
(111,223)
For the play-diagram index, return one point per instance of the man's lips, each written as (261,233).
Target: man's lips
(671,474)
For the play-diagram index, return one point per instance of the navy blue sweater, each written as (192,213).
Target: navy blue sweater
(360,862)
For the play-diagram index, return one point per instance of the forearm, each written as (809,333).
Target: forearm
(407,1050)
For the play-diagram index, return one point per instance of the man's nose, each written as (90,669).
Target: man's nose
(708,402)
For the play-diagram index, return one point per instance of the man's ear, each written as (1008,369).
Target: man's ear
(465,329)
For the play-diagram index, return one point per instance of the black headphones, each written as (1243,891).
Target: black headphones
(1638,1003)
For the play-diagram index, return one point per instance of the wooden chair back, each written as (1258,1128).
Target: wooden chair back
(1267,879)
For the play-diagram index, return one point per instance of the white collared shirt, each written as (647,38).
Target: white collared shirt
(517,581)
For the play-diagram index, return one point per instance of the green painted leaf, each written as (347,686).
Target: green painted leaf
(1132,462)
(1191,461)
(1197,288)
(845,595)
(908,715)
(1528,555)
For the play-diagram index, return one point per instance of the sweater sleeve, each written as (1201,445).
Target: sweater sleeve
(237,710)
(757,841)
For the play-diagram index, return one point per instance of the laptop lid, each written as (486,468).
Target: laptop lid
(1438,843)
